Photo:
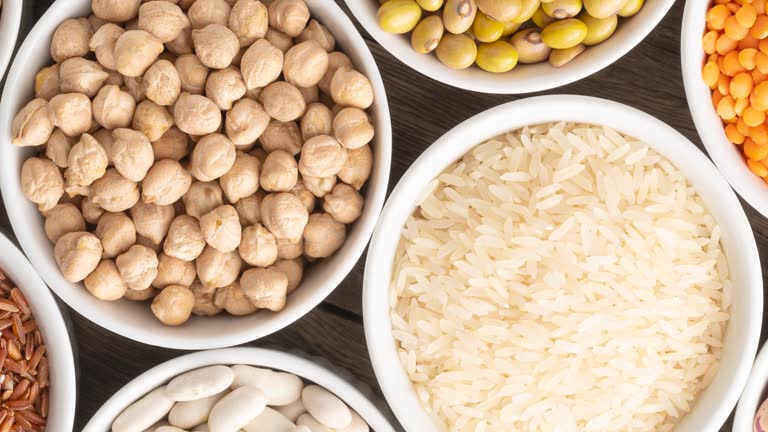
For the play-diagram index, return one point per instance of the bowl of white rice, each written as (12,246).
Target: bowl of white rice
(562,263)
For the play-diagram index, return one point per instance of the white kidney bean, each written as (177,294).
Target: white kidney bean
(270,421)
(325,407)
(292,411)
(201,428)
(236,409)
(311,423)
(169,429)
(279,388)
(144,412)
(156,426)
(185,415)
(302,429)
(200,383)
(357,425)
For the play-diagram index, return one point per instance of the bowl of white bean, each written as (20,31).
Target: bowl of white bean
(247,187)
(251,389)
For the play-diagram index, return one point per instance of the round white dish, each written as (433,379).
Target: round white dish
(159,375)
(523,78)
(753,394)
(741,339)
(10,21)
(726,155)
(50,321)
(135,320)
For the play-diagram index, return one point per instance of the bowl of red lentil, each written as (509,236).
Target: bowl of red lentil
(37,367)
(724,53)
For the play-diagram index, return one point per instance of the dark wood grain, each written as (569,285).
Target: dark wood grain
(422,110)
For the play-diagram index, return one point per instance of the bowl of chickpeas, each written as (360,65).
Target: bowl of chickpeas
(508,46)
(724,50)
(194,175)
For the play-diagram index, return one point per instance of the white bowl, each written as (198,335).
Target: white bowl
(135,320)
(159,375)
(727,156)
(10,20)
(741,337)
(61,364)
(753,394)
(523,78)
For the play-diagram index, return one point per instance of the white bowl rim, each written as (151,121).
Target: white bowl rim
(751,396)
(151,334)
(543,77)
(258,357)
(54,330)
(10,20)
(394,383)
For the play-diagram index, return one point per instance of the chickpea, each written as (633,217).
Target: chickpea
(288,16)
(258,247)
(358,167)
(135,87)
(140,295)
(185,240)
(77,190)
(96,23)
(196,115)
(113,193)
(173,271)
(317,120)
(148,243)
(174,144)
(323,235)
(152,120)
(32,126)
(215,45)
(305,64)
(135,51)
(284,136)
(267,289)
(345,204)
(204,303)
(161,82)
(165,183)
(336,60)
(248,20)
(63,219)
(47,82)
(290,249)
(173,305)
(132,25)
(293,269)
(319,186)
(58,148)
(192,73)
(217,269)
(77,254)
(233,300)
(321,156)
(103,44)
(280,172)
(351,88)
(137,266)
(113,108)
(352,128)
(91,211)
(245,123)
(131,153)
(114,78)
(212,157)
(104,137)
(205,12)
(248,209)
(185,4)
(242,179)
(116,232)
(152,220)
(259,154)
(305,195)
(87,162)
(182,44)
(310,94)
(221,228)
(70,112)
(224,87)
(162,19)
(78,75)
(202,198)
(283,101)
(282,41)
(71,39)
(262,64)
(116,10)
(105,283)
(284,215)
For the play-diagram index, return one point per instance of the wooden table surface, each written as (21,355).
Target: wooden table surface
(422,110)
